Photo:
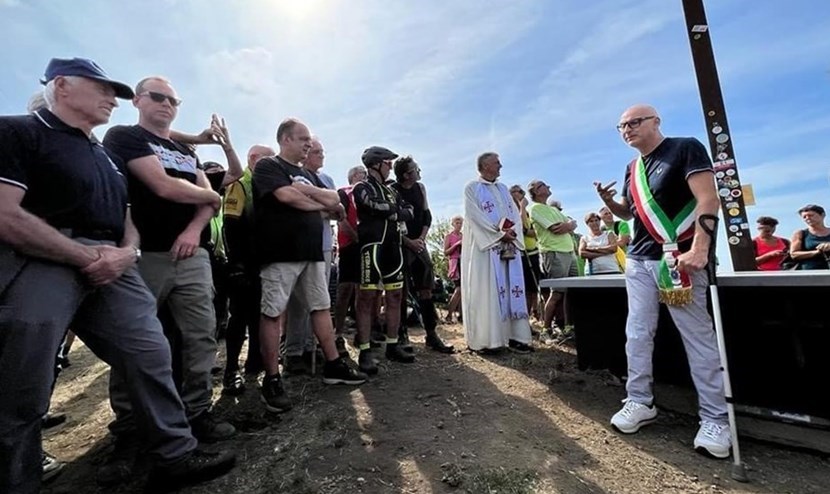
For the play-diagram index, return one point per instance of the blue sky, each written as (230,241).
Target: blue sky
(542,82)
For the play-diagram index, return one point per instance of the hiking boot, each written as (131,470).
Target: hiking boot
(519,347)
(274,396)
(434,342)
(233,384)
(51,467)
(207,429)
(403,340)
(633,416)
(366,363)
(195,466)
(340,344)
(713,440)
(397,354)
(118,467)
(338,372)
(296,365)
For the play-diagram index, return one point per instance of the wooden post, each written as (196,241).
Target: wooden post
(735,219)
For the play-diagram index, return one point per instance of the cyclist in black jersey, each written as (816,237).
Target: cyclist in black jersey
(381,216)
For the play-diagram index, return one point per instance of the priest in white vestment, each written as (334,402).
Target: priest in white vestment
(493,304)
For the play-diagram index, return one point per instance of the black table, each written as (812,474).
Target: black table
(776,327)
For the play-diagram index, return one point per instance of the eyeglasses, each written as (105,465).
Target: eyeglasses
(416,169)
(633,123)
(160,97)
(592,220)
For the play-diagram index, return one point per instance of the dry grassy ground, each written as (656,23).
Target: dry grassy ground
(446,424)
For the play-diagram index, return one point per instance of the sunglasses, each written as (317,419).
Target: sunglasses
(160,97)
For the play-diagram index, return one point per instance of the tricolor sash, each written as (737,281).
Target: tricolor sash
(675,285)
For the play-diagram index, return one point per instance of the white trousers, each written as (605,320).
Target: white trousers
(696,330)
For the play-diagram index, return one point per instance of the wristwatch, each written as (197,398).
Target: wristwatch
(137,254)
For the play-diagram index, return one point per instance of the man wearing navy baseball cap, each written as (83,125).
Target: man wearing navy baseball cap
(68,253)
(82,67)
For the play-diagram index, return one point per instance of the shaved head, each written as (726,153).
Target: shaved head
(257,152)
(640,110)
(639,126)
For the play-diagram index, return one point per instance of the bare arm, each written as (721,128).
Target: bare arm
(620,209)
(293,197)
(702,185)
(204,212)
(327,197)
(131,238)
(149,170)
(797,251)
(32,236)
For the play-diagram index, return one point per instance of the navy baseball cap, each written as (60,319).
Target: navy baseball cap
(83,67)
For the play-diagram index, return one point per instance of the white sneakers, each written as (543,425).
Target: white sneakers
(633,416)
(713,439)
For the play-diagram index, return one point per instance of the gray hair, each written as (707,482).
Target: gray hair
(36,102)
(354,171)
(49,90)
(483,157)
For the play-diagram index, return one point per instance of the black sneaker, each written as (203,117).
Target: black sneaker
(338,372)
(51,467)
(296,365)
(118,467)
(519,347)
(195,466)
(397,354)
(233,384)
(366,363)
(274,396)
(207,429)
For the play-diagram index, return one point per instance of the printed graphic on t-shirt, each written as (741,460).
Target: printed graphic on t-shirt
(174,160)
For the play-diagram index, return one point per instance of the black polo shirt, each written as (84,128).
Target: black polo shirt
(71,180)
(668,168)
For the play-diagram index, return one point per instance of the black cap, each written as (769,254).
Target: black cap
(376,154)
(83,67)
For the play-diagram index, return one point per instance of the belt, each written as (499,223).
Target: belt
(90,233)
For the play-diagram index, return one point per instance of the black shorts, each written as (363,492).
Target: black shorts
(348,264)
(419,269)
(532,271)
(381,266)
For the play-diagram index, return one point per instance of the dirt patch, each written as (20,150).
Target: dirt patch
(447,424)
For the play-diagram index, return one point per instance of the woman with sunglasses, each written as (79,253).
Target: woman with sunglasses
(599,247)
(770,250)
(811,246)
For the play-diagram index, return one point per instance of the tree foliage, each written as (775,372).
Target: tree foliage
(435,244)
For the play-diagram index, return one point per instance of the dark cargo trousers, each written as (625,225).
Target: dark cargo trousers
(39,300)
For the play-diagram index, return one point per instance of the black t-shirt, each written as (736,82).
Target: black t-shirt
(284,233)
(413,196)
(159,221)
(668,168)
(71,181)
